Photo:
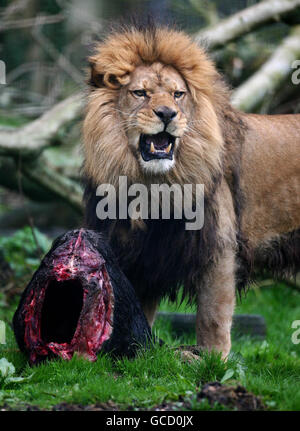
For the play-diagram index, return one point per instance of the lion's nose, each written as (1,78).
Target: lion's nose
(165,113)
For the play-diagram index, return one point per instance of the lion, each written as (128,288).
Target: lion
(158,112)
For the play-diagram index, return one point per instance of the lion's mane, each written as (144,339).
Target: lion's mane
(203,157)
(112,63)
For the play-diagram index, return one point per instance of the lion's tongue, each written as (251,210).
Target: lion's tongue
(160,141)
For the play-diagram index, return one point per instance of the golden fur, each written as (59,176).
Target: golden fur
(249,164)
(115,60)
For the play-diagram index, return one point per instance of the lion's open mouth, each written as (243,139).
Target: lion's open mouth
(159,146)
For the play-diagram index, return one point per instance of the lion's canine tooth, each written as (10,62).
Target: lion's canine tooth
(152,149)
(168,149)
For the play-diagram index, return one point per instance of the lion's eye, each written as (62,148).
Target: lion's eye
(178,94)
(139,93)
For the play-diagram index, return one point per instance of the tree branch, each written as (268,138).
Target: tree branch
(62,61)
(270,76)
(29,22)
(63,187)
(244,21)
(26,144)
(31,139)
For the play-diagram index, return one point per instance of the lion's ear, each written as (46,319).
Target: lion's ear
(95,79)
(111,81)
(107,79)
(100,80)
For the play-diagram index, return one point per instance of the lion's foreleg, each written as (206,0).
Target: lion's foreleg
(215,306)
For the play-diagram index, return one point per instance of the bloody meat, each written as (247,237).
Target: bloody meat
(79,301)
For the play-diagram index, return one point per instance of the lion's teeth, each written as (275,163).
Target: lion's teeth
(152,149)
(168,149)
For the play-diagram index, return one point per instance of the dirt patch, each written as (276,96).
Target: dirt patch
(230,396)
(109,406)
(233,397)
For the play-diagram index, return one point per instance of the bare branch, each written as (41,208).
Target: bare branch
(244,21)
(14,7)
(271,75)
(27,143)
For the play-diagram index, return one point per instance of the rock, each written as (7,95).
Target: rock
(243,324)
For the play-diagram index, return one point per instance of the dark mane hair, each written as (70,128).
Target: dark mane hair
(163,257)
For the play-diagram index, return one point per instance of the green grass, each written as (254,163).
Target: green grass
(269,368)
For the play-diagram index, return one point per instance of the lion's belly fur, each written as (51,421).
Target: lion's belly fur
(270,177)
(270,182)
(280,256)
